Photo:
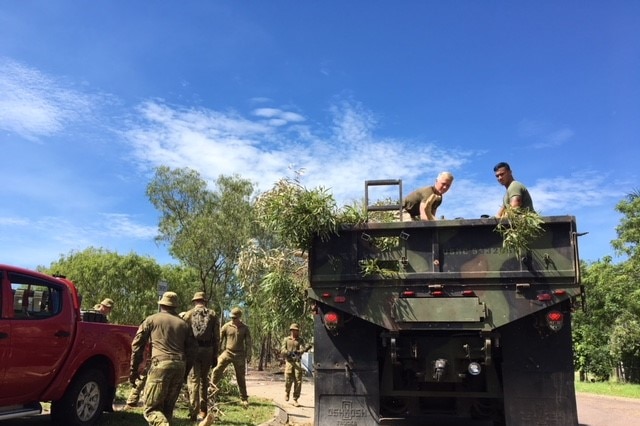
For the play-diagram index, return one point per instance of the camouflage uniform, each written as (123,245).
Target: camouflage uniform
(292,348)
(137,391)
(428,195)
(198,380)
(173,347)
(235,338)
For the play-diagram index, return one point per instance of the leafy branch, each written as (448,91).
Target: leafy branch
(518,228)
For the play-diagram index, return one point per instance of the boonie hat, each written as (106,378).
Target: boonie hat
(199,295)
(107,302)
(294,326)
(236,313)
(169,298)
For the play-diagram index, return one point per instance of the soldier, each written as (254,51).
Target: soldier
(292,349)
(205,327)
(173,349)
(517,195)
(422,203)
(235,340)
(104,307)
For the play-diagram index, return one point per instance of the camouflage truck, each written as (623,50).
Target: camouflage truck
(435,323)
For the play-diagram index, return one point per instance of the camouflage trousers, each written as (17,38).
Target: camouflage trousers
(293,373)
(137,391)
(164,382)
(239,365)
(198,380)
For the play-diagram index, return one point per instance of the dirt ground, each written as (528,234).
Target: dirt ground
(270,384)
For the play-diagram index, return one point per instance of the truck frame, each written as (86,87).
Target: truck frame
(434,322)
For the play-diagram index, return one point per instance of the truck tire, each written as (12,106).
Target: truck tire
(83,402)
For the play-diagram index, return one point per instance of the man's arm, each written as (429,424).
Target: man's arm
(248,345)
(426,207)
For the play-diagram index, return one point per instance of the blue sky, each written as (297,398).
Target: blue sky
(95,95)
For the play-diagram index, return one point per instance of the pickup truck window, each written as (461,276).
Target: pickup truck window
(33,298)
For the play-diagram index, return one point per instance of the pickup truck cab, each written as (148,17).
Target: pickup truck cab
(49,353)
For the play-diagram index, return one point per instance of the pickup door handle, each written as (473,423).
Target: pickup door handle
(62,333)
(3,335)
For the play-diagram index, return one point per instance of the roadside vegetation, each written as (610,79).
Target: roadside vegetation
(625,390)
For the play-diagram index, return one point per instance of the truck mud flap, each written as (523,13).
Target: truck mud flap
(346,375)
(538,376)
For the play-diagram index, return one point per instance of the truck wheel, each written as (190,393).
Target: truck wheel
(83,402)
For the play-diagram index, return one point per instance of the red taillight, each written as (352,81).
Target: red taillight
(555,320)
(339,299)
(331,320)
(560,292)
(437,293)
(326,295)
(468,293)
(544,297)
(408,293)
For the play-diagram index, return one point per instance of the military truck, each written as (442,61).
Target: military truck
(435,323)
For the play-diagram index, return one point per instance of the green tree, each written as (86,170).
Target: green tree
(204,228)
(273,265)
(607,335)
(130,280)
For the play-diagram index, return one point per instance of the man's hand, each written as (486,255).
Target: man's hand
(134,377)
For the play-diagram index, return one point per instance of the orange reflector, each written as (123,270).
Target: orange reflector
(437,293)
(408,293)
(544,297)
(339,299)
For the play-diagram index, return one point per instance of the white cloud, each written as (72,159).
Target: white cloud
(544,135)
(33,104)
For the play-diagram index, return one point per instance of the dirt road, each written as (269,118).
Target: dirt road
(593,410)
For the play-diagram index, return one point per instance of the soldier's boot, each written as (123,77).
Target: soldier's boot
(286,397)
(207,421)
(244,403)
(295,403)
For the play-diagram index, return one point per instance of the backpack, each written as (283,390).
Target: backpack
(199,323)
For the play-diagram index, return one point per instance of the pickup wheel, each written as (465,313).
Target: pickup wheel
(83,402)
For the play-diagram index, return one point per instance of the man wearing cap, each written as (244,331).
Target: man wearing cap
(173,348)
(104,307)
(204,324)
(235,341)
(292,349)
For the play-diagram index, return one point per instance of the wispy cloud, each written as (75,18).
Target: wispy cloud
(35,105)
(544,135)
(215,142)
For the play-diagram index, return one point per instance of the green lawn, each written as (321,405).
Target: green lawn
(609,388)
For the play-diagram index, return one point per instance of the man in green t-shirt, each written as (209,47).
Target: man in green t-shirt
(422,203)
(517,195)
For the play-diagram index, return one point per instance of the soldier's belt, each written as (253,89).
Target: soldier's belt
(160,358)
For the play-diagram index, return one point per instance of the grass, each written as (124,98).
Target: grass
(626,390)
(232,414)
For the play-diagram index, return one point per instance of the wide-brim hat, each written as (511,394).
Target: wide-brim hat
(294,326)
(108,303)
(199,295)
(169,298)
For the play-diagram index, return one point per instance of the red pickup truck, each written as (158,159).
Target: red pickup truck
(48,352)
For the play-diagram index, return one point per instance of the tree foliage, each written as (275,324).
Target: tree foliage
(130,280)
(607,335)
(295,214)
(518,228)
(204,228)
